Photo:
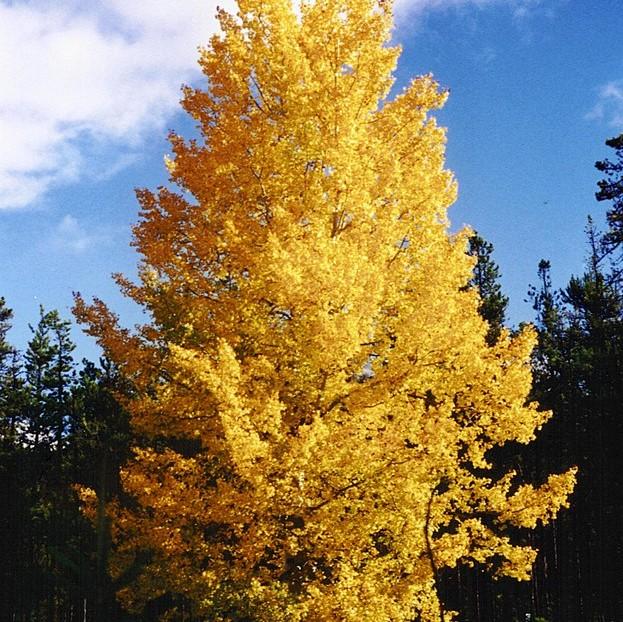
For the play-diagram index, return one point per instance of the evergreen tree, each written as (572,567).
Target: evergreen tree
(6,315)
(99,445)
(579,365)
(48,366)
(41,512)
(56,432)
(546,302)
(611,189)
(10,499)
(486,276)
(8,378)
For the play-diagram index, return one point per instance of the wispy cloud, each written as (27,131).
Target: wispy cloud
(119,164)
(609,106)
(523,9)
(413,8)
(520,9)
(71,237)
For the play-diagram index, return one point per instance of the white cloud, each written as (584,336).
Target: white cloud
(609,106)
(98,72)
(70,236)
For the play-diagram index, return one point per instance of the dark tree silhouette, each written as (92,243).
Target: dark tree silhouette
(486,278)
(611,189)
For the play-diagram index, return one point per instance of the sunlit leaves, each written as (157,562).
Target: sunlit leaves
(315,392)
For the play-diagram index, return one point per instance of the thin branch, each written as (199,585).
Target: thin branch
(336,494)
(259,90)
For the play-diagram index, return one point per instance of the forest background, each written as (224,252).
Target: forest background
(51,403)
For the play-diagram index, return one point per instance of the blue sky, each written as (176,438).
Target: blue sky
(89,89)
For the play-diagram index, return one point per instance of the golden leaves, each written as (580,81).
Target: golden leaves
(314,389)
(529,504)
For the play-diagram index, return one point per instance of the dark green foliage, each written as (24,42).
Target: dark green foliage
(579,375)
(58,429)
(100,443)
(6,315)
(546,302)
(486,280)
(48,367)
(9,380)
(611,189)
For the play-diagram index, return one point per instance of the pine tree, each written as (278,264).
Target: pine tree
(99,445)
(611,189)
(579,375)
(53,567)
(49,375)
(314,395)
(47,500)
(8,379)
(5,324)
(486,279)
(10,499)
(549,322)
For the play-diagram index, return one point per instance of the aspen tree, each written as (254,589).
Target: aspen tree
(314,395)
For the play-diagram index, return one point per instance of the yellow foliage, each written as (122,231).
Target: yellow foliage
(314,389)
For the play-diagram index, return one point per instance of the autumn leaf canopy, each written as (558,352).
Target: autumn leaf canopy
(315,400)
